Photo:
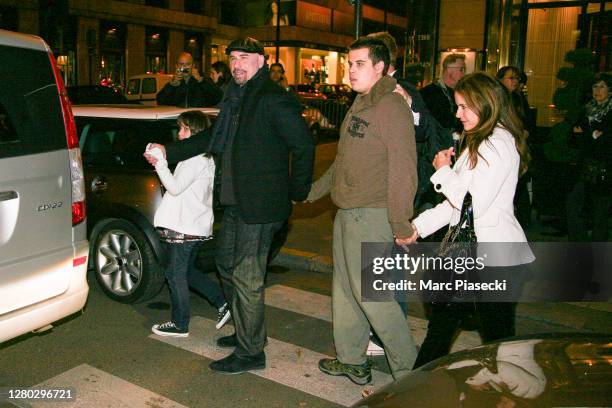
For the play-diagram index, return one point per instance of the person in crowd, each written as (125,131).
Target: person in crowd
(593,137)
(184,221)
(430,138)
(267,159)
(188,88)
(509,76)
(438,95)
(220,75)
(277,74)
(492,157)
(372,181)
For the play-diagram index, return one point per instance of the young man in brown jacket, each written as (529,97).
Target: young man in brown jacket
(373,181)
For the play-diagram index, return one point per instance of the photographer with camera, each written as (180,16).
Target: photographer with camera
(188,88)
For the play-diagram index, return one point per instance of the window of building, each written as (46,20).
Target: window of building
(193,45)
(194,6)
(156,45)
(112,53)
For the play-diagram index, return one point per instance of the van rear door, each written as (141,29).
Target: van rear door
(36,250)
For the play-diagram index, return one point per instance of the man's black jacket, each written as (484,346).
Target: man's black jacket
(441,107)
(270,130)
(190,94)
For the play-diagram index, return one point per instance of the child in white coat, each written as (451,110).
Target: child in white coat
(184,221)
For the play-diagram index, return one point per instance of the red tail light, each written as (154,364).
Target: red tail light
(72,139)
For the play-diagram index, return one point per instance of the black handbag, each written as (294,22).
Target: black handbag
(459,242)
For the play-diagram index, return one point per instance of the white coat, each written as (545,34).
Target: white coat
(492,184)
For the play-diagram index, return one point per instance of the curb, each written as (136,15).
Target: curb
(311,261)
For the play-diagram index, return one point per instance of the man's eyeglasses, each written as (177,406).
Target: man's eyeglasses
(462,69)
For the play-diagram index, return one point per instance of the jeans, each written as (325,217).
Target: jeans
(241,257)
(182,274)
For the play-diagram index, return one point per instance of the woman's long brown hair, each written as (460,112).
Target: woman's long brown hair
(490,100)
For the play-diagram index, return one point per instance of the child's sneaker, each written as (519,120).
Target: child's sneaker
(223,315)
(168,329)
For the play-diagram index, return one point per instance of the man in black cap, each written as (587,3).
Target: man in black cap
(267,158)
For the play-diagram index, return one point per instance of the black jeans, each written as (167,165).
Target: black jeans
(182,274)
(241,257)
(600,208)
(495,321)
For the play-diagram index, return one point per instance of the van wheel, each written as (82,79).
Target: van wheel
(124,263)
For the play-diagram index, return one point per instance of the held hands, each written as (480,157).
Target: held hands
(150,156)
(443,158)
(408,240)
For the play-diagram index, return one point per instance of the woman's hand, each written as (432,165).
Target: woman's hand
(443,158)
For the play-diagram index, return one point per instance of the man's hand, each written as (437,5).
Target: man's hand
(152,160)
(408,240)
(176,79)
(398,89)
(196,74)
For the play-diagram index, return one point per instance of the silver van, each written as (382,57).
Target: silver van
(43,244)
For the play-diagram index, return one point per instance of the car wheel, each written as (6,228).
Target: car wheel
(124,263)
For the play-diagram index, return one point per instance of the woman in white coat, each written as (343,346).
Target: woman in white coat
(493,156)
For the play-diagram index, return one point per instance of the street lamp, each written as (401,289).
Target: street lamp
(357,4)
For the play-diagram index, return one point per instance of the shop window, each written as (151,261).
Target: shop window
(193,45)
(156,45)
(112,53)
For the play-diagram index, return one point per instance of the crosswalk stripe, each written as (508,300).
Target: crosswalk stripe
(95,388)
(319,306)
(287,364)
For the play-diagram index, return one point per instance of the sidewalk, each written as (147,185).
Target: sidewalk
(309,246)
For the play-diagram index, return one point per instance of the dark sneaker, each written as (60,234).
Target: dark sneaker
(359,374)
(168,329)
(227,341)
(233,364)
(223,315)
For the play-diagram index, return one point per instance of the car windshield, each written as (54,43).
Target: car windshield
(108,141)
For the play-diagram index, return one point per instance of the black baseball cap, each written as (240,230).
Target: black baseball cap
(247,44)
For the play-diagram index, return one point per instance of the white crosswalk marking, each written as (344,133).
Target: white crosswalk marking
(319,306)
(97,389)
(287,364)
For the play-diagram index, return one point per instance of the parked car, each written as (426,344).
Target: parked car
(95,94)
(336,91)
(123,193)
(43,242)
(306,91)
(553,370)
(145,87)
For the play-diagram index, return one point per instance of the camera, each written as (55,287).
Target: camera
(183,70)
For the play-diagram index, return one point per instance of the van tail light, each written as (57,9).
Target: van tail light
(76,165)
